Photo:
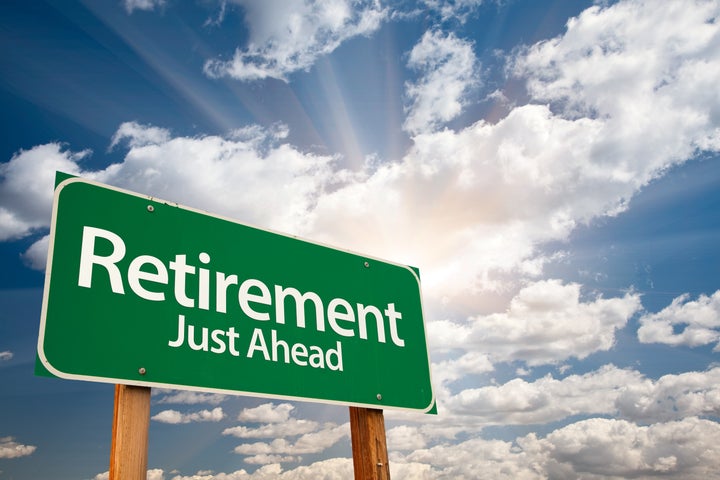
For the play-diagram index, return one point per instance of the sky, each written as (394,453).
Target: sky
(550,167)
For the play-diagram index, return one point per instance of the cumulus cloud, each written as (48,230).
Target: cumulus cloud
(671,397)
(314,442)
(617,448)
(267,413)
(448,73)
(547,322)
(9,448)
(609,391)
(331,469)
(152,474)
(593,448)
(631,64)
(137,135)
(176,417)
(684,322)
(544,400)
(287,428)
(26,187)
(231,176)
(285,38)
(6,356)
(277,423)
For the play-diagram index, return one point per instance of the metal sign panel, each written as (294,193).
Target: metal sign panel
(145,292)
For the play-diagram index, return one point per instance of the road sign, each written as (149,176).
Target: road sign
(145,292)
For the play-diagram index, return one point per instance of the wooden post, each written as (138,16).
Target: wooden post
(369,447)
(131,422)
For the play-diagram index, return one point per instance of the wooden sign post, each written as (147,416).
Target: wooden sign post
(369,447)
(131,423)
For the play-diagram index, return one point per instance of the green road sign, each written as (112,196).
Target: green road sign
(145,292)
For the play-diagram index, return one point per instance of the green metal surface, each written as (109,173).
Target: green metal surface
(151,267)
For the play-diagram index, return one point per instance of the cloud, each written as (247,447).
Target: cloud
(187,397)
(593,448)
(146,5)
(5,356)
(618,448)
(684,322)
(645,71)
(405,437)
(152,474)
(277,424)
(609,390)
(267,413)
(175,417)
(456,10)
(448,73)
(544,400)
(35,257)
(9,448)
(238,177)
(672,397)
(331,469)
(545,323)
(313,442)
(26,187)
(287,38)
(138,135)
(287,428)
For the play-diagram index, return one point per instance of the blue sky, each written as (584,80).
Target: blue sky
(550,167)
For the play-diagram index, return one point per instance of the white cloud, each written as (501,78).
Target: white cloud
(314,442)
(286,37)
(448,73)
(609,391)
(544,400)
(457,10)
(146,5)
(187,397)
(6,356)
(26,187)
(253,179)
(592,449)
(152,474)
(617,448)
(287,428)
(175,417)
(138,135)
(155,474)
(267,413)
(331,469)
(699,319)
(672,397)
(645,70)
(35,257)
(312,437)
(545,323)
(9,448)
(405,438)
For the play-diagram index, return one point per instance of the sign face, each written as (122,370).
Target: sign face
(145,292)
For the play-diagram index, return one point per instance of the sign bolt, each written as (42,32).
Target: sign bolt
(367,264)
(379,397)
(150,208)
(142,371)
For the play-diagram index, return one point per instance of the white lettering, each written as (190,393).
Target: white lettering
(348,315)
(300,299)
(135,274)
(245,297)
(88,258)
(181,269)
